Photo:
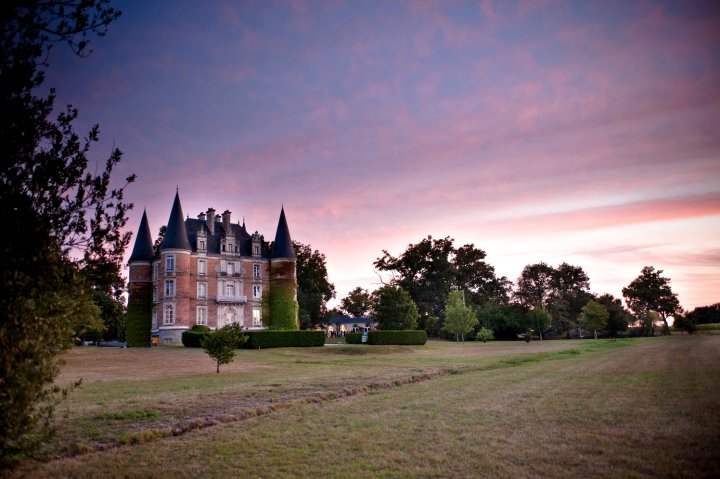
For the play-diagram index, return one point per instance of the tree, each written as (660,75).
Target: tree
(594,316)
(705,314)
(358,303)
(534,286)
(684,322)
(459,318)
(56,207)
(484,335)
(395,309)
(159,239)
(314,289)
(562,291)
(618,316)
(505,320)
(221,344)
(430,269)
(539,320)
(651,292)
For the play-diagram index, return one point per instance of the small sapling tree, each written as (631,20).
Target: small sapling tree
(459,318)
(221,344)
(539,320)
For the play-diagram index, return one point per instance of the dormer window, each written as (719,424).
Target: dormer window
(256,249)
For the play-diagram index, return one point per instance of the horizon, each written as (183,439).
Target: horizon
(564,132)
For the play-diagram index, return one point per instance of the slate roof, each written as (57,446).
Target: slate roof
(283,248)
(143,249)
(176,236)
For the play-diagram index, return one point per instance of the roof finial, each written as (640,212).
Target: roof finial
(177,188)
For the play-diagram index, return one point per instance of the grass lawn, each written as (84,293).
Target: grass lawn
(630,408)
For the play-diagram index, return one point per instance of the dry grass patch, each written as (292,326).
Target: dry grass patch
(649,410)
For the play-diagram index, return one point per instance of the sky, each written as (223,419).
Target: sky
(579,132)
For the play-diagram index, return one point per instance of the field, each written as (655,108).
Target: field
(646,407)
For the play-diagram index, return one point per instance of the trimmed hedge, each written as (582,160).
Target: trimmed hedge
(193,337)
(353,338)
(283,339)
(404,337)
(264,339)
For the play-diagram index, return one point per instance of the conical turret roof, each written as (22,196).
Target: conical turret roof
(176,235)
(143,249)
(283,248)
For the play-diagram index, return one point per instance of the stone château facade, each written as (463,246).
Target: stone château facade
(208,271)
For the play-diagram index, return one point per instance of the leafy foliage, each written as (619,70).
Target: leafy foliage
(358,303)
(395,309)
(705,314)
(57,207)
(594,316)
(430,269)
(139,322)
(314,289)
(280,309)
(651,292)
(459,318)
(539,320)
(561,291)
(505,320)
(484,335)
(618,316)
(221,344)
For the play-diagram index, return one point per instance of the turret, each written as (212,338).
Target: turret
(283,281)
(176,235)
(139,312)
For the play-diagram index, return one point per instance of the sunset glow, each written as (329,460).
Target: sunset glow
(585,132)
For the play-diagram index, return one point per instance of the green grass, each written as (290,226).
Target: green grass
(645,407)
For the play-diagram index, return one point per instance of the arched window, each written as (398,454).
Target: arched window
(169,316)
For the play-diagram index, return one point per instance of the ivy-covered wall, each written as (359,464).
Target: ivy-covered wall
(281,309)
(139,315)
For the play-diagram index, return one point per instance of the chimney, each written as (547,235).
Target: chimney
(226,221)
(211,220)
(201,216)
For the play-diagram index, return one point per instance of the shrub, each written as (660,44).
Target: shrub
(283,339)
(403,337)
(353,338)
(485,335)
(193,337)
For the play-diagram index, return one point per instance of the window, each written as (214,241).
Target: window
(202,266)
(154,318)
(256,249)
(169,287)
(154,294)
(169,316)
(257,318)
(202,290)
(231,268)
(257,292)
(256,270)
(201,245)
(156,271)
(223,248)
(230,289)
(202,315)
(170,263)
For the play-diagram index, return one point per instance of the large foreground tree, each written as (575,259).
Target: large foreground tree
(63,222)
